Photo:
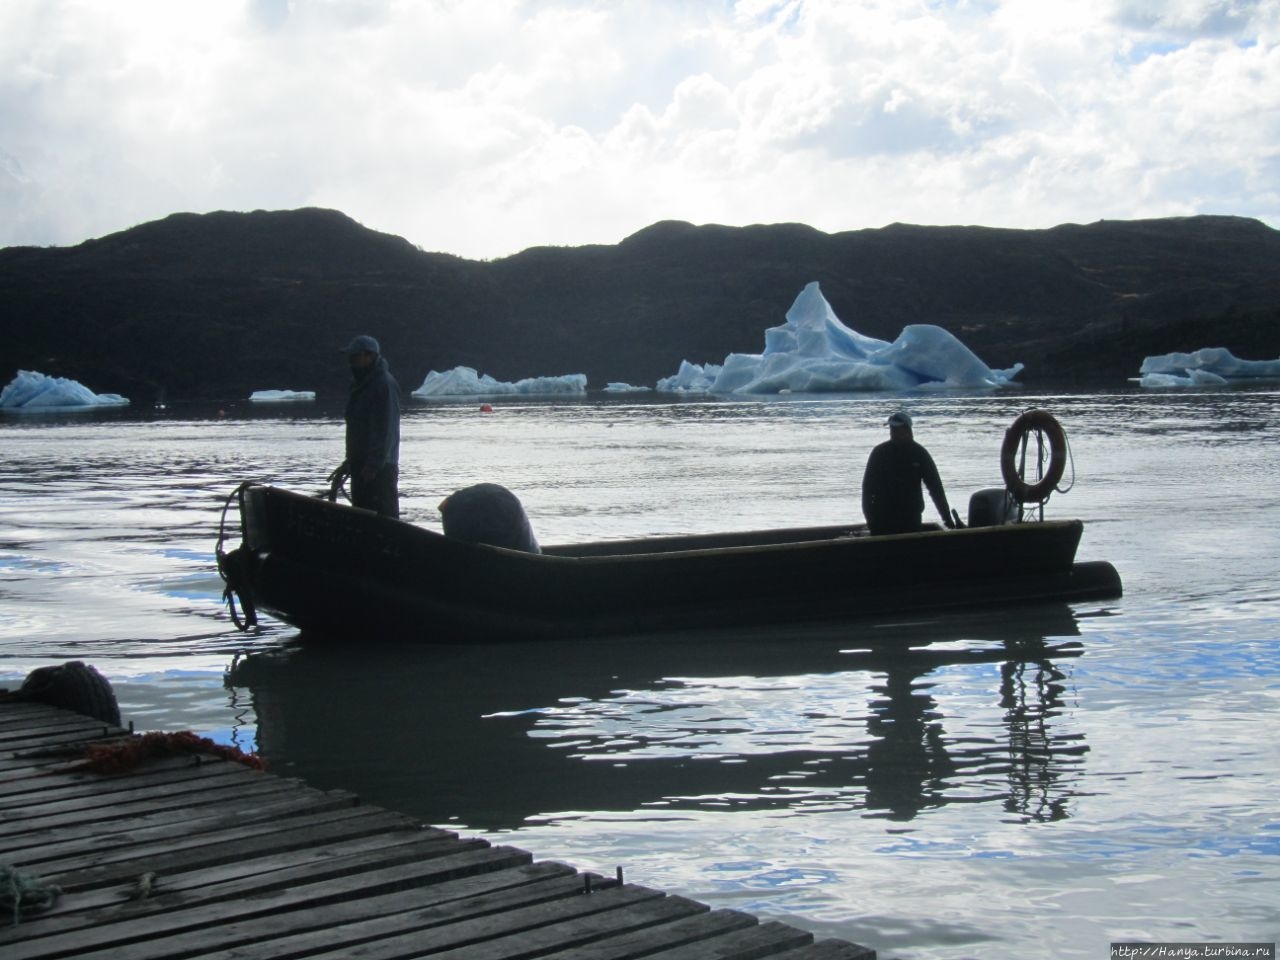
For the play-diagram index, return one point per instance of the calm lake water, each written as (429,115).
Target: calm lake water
(1036,782)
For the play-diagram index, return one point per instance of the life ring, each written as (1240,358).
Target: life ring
(1015,438)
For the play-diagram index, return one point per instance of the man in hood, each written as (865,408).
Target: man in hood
(373,430)
(891,497)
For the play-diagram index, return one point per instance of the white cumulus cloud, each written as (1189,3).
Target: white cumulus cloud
(482,128)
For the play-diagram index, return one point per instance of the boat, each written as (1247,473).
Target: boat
(331,569)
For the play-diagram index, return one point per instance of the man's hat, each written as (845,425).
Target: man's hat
(899,419)
(362,344)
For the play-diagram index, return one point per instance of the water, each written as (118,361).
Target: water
(1037,782)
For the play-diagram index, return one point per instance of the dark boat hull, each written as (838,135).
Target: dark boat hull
(328,568)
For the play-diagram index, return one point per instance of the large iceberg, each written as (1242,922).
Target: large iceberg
(35,391)
(466,382)
(813,352)
(1207,367)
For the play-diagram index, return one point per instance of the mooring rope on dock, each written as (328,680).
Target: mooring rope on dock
(22,892)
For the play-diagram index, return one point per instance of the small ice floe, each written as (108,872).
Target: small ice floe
(466,382)
(1207,367)
(282,396)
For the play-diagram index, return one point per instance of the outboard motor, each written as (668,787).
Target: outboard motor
(488,513)
(991,508)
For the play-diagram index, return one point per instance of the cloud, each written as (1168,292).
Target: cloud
(484,128)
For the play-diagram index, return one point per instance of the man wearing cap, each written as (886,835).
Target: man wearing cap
(891,497)
(373,431)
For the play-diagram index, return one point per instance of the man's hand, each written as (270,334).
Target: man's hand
(335,480)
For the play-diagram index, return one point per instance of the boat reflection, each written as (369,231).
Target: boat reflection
(497,736)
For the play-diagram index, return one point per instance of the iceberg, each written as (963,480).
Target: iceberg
(35,391)
(466,382)
(282,396)
(691,378)
(617,387)
(813,352)
(1207,367)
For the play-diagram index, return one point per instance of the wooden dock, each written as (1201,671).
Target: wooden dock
(199,856)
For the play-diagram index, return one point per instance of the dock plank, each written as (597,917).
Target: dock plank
(64,737)
(829,950)
(281,936)
(240,864)
(697,928)
(195,801)
(530,931)
(249,809)
(230,846)
(224,776)
(767,939)
(130,843)
(53,786)
(321,930)
(215,906)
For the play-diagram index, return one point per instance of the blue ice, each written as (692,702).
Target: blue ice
(282,396)
(813,352)
(35,391)
(1209,366)
(466,382)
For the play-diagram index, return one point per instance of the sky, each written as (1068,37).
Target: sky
(484,127)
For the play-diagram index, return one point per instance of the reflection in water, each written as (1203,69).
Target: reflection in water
(1037,757)
(495,737)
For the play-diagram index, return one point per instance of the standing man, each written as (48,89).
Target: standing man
(891,498)
(373,431)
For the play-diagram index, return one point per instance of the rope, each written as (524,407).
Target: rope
(233,567)
(23,893)
(1071,461)
(1042,457)
(1040,461)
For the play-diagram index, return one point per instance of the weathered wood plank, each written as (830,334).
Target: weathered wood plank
(239,809)
(314,931)
(165,914)
(85,906)
(64,767)
(56,770)
(12,825)
(36,740)
(531,931)
(58,787)
(132,843)
(40,722)
(229,776)
(698,928)
(232,845)
(202,867)
(829,950)
(764,940)
(301,933)
(13,707)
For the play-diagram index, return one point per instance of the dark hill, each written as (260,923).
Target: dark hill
(214,306)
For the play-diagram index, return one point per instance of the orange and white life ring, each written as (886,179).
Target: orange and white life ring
(1016,438)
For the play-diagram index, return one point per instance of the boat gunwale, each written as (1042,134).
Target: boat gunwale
(823,537)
